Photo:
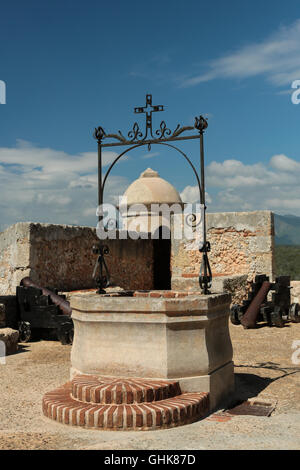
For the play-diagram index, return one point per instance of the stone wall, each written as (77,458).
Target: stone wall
(61,256)
(14,256)
(241,243)
(131,263)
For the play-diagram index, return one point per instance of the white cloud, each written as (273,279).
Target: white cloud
(150,155)
(52,161)
(50,199)
(284,163)
(87,181)
(40,184)
(47,185)
(277,58)
(190,194)
(235,174)
(283,204)
(235,186)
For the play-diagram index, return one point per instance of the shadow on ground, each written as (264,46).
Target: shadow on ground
(249,385)
(22,348)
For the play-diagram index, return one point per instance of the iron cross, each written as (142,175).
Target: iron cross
(148,110)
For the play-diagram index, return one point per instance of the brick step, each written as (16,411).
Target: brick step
(186,408)
(106,390)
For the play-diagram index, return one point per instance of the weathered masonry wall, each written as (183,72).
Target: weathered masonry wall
(131,263)
(61,256)
(14,257)
(241,243)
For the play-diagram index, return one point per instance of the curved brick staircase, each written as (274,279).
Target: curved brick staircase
(123,404)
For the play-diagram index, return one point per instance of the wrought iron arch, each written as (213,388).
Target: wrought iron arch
(137,139)
(155,143)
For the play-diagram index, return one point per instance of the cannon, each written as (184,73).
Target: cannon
(43,311)
(267,302)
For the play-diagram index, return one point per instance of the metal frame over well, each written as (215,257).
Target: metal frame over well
(136,138)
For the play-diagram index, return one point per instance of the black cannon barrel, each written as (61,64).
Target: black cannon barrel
(56,299)
(249,318)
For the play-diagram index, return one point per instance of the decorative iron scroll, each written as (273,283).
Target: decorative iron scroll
(136,137)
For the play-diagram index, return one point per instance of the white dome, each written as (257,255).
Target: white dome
(149,188)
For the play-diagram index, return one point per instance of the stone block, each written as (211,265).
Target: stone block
(9,337)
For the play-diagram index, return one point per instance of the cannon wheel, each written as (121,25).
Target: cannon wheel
(24,331)
(234,315)
(65,333)
(294,313)
(276,318)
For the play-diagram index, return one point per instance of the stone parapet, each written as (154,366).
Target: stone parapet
(9,337)
(60,256)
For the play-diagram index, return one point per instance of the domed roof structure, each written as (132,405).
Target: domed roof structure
(150,188)
(137,204)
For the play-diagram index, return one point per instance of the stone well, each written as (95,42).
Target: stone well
(145,341)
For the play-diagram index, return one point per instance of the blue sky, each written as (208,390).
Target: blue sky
(70,66)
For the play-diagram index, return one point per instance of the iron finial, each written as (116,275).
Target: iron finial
(200,123)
